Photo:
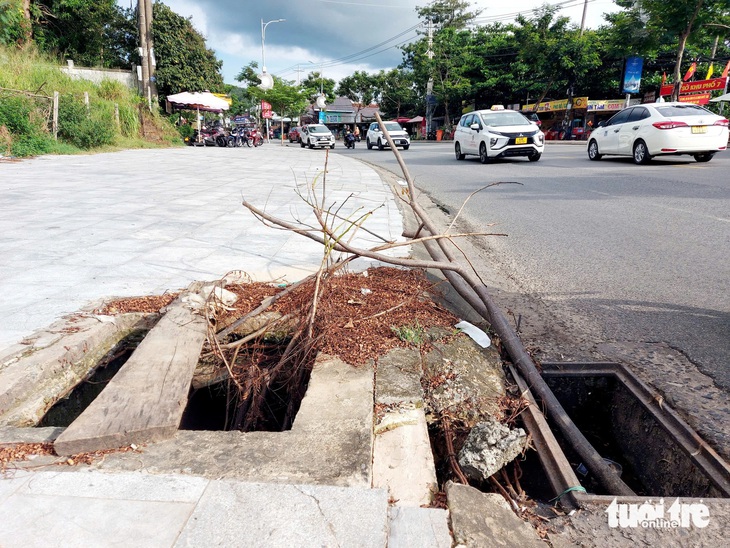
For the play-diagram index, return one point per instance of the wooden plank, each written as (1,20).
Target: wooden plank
(145,401)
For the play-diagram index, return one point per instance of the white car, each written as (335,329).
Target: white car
(316,136)
(375,136)
(648,130)
(498,133)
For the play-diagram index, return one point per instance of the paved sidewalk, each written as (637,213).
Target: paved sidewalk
(75,229)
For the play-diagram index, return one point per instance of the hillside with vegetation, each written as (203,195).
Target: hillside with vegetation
(114,117)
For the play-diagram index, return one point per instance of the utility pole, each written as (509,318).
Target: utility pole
(142,19)
(583,19)
(151,63)
(430,103)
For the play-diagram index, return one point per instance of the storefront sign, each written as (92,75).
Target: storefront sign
(551,106)
(696,98)
(693,87)
(602,105)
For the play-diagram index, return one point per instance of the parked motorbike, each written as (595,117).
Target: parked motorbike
(255,138)
(349,140)
(235,138)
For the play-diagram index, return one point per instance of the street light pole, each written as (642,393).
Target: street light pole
(263,39)
(267,82)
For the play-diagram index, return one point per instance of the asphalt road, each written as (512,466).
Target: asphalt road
(640,251)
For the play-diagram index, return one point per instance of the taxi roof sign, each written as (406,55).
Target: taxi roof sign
(497,107)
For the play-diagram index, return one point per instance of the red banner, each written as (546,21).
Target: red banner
(266,110)
(692,87)
(696,98)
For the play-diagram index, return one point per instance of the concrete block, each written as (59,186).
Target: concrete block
(485,519)
(399,377)
(402,458)
(410,527)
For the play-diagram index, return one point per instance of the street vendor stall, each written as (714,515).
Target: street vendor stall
(205,101)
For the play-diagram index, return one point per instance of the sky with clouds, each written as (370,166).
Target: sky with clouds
(334,36)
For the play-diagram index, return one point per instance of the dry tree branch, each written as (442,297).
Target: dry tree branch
(469,285)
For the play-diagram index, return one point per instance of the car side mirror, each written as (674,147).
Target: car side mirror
(475,127)
(601,124)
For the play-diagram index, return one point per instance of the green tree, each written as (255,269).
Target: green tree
(286,98)
(360,87)
(91,32)
(184,63)
(398,95)
(680,20)
(448,13)
(14,22)
(557,54)
(316,82)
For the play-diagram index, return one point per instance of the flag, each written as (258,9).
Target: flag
(664,78)
(709,72)
(727,68)
(690,72)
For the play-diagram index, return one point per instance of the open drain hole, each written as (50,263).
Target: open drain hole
(654,451)
(68,409)
(268,398)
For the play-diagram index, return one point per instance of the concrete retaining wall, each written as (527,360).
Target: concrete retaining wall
(126,77)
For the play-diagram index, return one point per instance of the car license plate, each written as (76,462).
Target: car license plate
(699,129)
(520,140)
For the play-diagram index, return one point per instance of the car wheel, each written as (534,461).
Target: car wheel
(406,147)
(380,145)
(457,152)
(593,153)
(641,153)
(704,157)
(369,144)
(311,145)
(332,145)
(483,156)
(301,144)
(534,157)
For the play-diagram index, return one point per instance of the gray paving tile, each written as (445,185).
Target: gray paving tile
(102,227)
(271,515)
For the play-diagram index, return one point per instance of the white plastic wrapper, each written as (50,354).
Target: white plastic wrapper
(479,336)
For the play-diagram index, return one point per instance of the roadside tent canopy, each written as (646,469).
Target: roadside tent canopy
(203,100)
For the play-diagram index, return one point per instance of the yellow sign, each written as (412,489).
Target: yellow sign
(579,103)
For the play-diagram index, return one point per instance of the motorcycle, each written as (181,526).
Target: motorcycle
(349,140)
(254,138)
(235,139)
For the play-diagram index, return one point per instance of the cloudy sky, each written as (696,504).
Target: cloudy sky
(334,36)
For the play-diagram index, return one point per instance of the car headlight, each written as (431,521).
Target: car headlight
(539,138)
(493,141)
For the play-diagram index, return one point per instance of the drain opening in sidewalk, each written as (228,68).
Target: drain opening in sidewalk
(67,409)
(266,397)
(646,446)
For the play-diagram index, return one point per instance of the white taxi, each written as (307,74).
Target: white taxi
(648,130)
(498,133)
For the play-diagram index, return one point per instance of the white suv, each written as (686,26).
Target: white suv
(498,133)
(316,135)
(399,135)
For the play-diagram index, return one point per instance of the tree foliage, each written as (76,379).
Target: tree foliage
(184,63)
(285,98)
(315,82)
(95,33)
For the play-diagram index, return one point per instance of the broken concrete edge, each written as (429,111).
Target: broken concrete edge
(67,352)
(485,519)
(11,436)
